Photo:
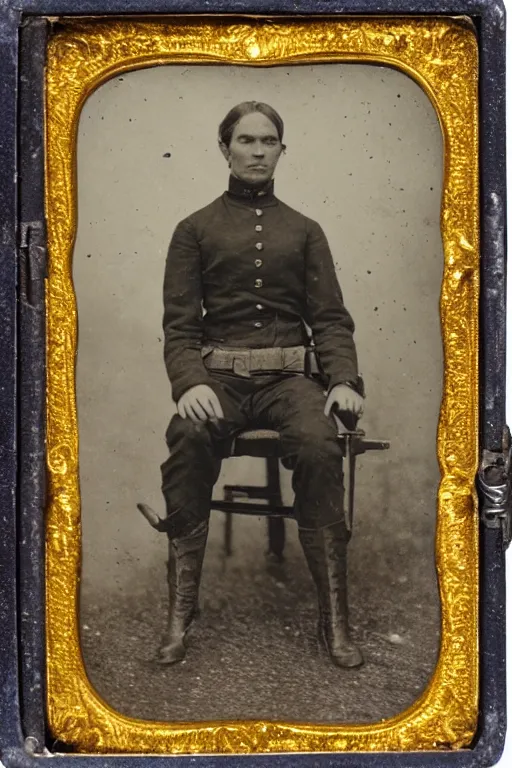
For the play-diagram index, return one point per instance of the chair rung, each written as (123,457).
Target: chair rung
(247,492)
(235,507)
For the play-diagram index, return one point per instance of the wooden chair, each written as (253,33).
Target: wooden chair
(268,501)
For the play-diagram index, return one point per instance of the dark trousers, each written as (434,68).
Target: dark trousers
(293,405)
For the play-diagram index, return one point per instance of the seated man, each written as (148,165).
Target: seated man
(244,278)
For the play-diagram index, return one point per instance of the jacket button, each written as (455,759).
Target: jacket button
(259,307)
(259,246)
(258,262)
(258,228)
(258,212)
(258,283)
(258,325)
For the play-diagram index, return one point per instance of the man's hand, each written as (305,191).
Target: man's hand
(346,400)
(200,403)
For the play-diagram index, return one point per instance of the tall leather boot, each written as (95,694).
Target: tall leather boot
(326,554)
(186,554)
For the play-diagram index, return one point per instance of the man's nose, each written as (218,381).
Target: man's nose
(258,149)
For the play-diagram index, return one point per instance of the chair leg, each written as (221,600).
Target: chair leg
(272,493)
(276,536)
(228,534)
(275,525)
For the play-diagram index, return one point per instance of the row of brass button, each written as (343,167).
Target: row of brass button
(258,283)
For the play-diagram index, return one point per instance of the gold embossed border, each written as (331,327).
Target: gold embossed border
(441,55)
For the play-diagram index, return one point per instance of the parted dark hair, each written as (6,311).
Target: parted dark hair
(227,126)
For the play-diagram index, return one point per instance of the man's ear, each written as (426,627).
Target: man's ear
(224,149)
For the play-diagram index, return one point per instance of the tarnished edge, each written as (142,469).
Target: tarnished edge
(438,54)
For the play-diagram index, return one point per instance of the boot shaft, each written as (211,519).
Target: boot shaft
(325,550)
(326,554)
(184,567)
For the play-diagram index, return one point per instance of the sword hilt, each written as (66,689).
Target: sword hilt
(356,443)
(151,516)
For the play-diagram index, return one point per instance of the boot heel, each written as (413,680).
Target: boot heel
(171,654)
(348,657)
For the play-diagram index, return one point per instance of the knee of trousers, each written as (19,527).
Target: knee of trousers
(192,464)
(318,446)
(184,434)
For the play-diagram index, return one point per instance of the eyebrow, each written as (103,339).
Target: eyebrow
(250,136)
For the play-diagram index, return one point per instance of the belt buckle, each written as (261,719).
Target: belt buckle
(242,365)
(291,359)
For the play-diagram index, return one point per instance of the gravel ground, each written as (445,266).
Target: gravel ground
(253,652)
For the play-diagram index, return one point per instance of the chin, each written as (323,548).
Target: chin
(257,178)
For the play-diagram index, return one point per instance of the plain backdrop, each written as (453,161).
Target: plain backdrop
(363,159)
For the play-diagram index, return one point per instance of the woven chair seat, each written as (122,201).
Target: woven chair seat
(260,443)
(258,434)
(264,444)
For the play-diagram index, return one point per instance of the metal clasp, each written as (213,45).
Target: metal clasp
(494,484)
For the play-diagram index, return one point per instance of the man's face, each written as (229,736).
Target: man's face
(254,149)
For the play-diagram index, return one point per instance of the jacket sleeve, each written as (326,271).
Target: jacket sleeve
(182,322)
(330,322)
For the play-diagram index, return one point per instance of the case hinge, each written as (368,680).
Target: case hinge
(494,484)
(33,271)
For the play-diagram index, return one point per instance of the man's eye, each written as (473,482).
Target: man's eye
(270,142)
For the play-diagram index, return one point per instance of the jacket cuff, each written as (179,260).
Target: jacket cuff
(354,382)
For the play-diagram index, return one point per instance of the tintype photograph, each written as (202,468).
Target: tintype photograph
(257,269)
(258,477)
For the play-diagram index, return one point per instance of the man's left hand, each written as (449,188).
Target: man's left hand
(345,398)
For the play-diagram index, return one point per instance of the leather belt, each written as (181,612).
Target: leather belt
(244,362)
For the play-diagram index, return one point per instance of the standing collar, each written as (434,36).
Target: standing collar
(251,194)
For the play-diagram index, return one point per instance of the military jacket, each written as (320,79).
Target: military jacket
(248,271)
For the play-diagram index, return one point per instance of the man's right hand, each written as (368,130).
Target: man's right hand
(200,403)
